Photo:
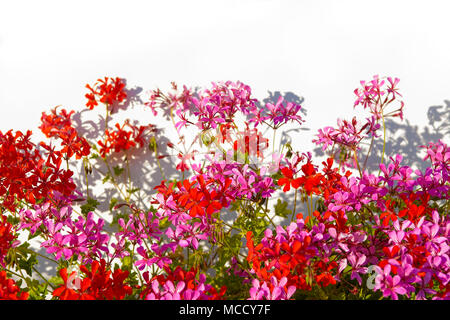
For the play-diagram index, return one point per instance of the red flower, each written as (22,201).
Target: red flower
(67,290)
(9,290)
(6,238)
(59,125)
(288,180)
(96,285)
(121,139)
(27,175)
(389,214)
(107,91)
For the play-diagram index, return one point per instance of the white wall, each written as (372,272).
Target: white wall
(316,49)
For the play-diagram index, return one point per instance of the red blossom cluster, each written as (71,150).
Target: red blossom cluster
(26,175)
(107,91)
(59,125)
(193,197)
(123,139)
(291,260)
(99,283)
(9,290)
(6,238)
(312,181)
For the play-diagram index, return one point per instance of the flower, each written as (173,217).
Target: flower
(9,290)
(7,238)
(99,283)
(107,91)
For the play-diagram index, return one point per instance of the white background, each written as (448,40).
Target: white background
(318,50)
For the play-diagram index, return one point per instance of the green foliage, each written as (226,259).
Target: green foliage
(90,205)
(106,178)
(281,209)
(118,170)
(133,190)
(112,203)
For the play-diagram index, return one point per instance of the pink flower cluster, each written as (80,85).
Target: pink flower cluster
(65,235)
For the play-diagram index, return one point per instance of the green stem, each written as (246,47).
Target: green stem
(368,153)
(129,176)
(266,214)
(273,142)
(87,184)
(43,278)
(40,255)
(384,142)
(295,205)
(357,163)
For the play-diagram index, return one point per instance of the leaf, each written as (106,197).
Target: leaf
(127,263)
(106,178)
(131,191)
(113,203)
(118,170)
(89,206)
(281,209)
(27,264)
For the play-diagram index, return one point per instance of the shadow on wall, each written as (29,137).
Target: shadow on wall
(405,139)
(146,170)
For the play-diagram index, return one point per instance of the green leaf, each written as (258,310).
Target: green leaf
(131,191)
(106,178)
(26,259)
(89,206)
(281,209)
(113,203)
(127,263)
(118,170)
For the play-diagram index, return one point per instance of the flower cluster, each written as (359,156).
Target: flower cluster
(66,236)
(377,94)
(98,283)
(278,114)
(208,230)
(59,126)
(122,139)
(180,285)
(9,290)
(107,91)
(347,134)
(7,238)
(26,174)
(416,259)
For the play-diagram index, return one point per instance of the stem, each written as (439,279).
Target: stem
(159,164)
(267,215)
(309,205)
(295,205)
(384,142)
(357,163)
(113,181)
(368,153)
(40,255)
(273,142)
(43,278)
(87,184)
(129,176)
